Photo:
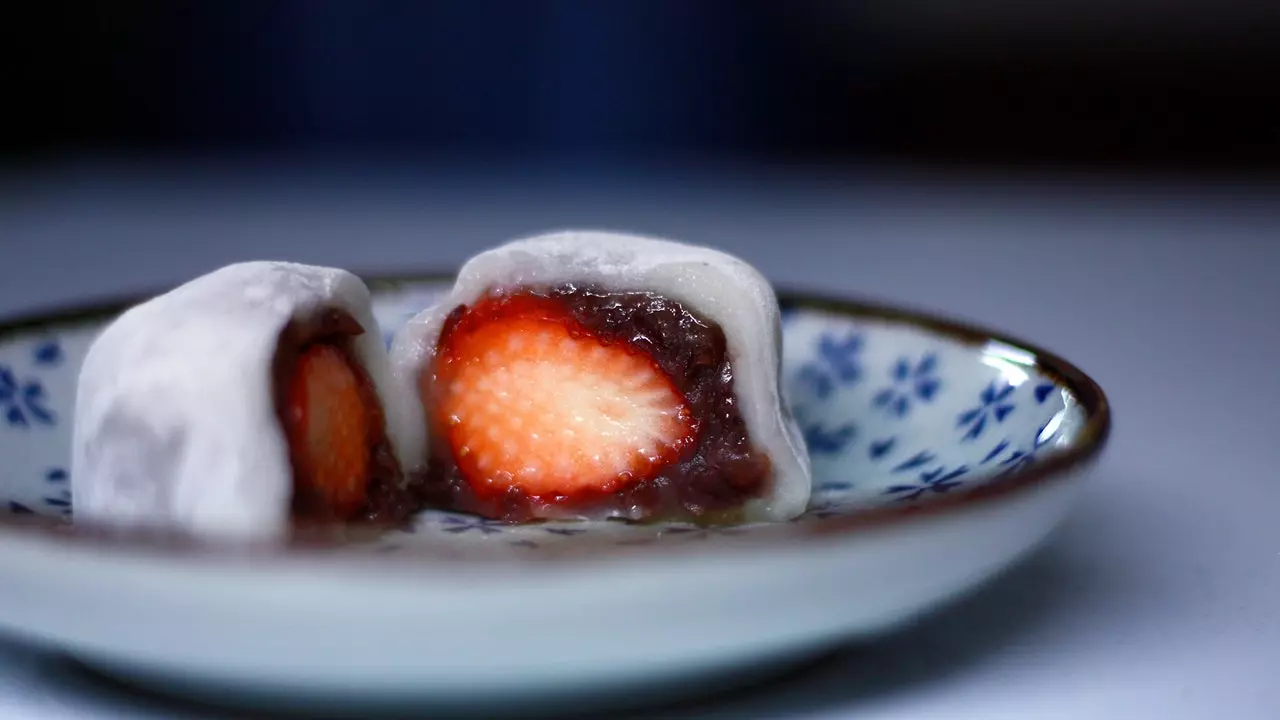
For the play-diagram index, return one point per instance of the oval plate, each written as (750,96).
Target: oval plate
(942,453)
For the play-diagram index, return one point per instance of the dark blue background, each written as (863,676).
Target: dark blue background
(576,81)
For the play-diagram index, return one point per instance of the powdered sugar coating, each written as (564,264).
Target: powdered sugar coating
(718,286)
(175,423)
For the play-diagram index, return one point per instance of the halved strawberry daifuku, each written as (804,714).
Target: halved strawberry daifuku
(328,422)
(586,375)
(529,399)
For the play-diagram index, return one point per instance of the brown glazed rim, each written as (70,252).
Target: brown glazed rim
(1057,466)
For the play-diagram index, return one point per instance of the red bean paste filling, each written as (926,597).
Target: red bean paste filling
(390,497)
(709,482)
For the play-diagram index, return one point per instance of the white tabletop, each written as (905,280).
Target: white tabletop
(1160,597)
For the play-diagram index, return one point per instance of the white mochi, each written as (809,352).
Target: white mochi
(175,418)
(717,286)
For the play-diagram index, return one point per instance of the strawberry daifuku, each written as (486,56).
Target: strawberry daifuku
(238,404)
(591,375)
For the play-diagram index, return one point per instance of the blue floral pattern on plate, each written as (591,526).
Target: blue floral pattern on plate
(891,413)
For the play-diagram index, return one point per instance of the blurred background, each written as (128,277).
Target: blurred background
(1170,86)
(835,143)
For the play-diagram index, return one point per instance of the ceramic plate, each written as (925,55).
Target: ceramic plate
(941,454)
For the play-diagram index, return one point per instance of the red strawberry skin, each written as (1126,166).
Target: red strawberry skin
(530,402)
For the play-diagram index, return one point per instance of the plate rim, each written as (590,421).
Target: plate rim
(1056,467)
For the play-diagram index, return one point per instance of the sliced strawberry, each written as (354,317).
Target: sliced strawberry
(527,398)
(327,424)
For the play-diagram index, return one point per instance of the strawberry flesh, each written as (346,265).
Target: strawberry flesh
(529,400)
(343,466)
(328,424)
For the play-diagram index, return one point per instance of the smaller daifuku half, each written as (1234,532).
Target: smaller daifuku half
(236,403)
